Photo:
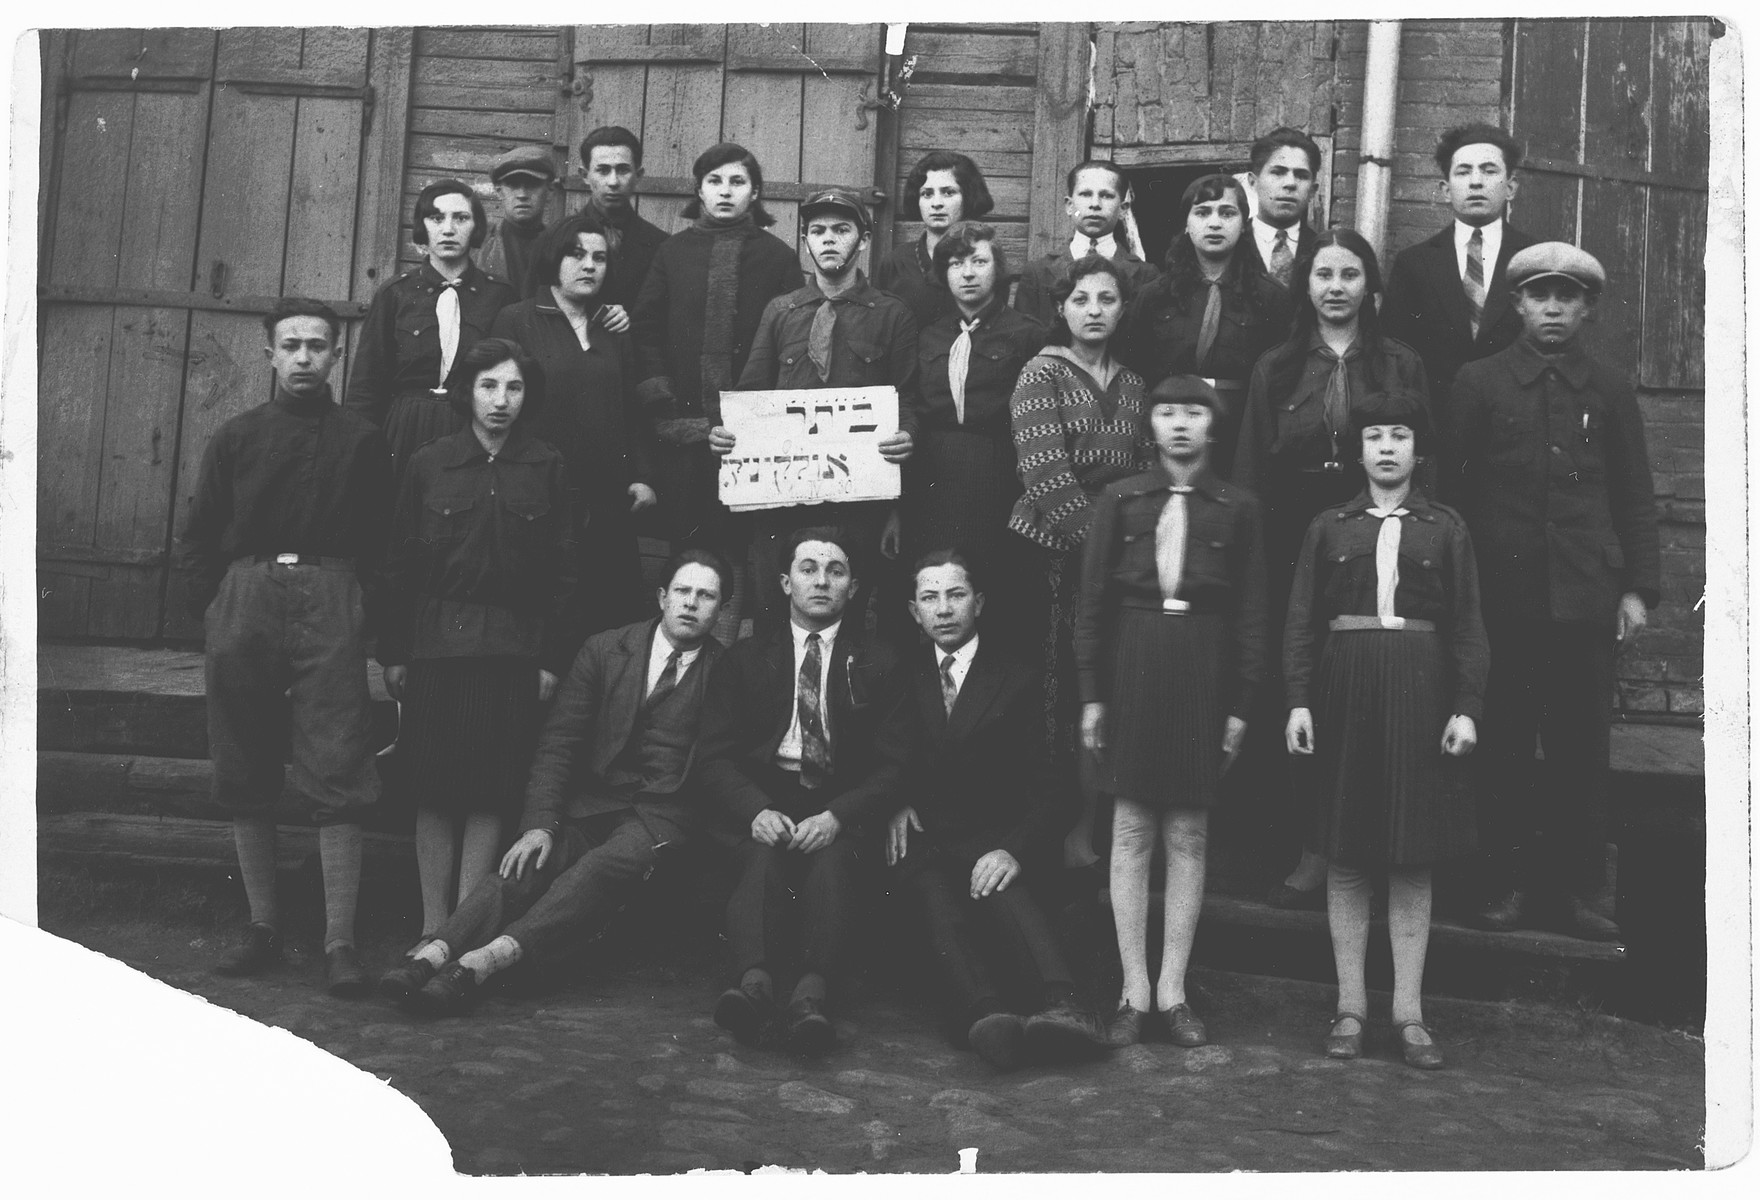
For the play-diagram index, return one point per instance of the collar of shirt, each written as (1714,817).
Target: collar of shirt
(1078,246)
(1488,256)
(861,292)
(433,281)
(659,650)
(304,406)
(1205,482)
(1317,341)
(1529,364)
(1265,237)
(962,661)
(462,448)
(1416,504)
(827,636)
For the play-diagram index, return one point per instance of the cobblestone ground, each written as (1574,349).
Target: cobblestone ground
(621,1070)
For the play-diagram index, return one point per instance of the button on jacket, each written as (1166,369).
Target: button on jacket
(1438,582)
(1553,477)
(482,557)
(1224,572)
(397,348)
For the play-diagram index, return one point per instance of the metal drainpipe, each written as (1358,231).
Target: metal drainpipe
(1375,170)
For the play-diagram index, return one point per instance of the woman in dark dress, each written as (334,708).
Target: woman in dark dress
(476,629)
(693,327)
(1170,645)
(1385,659)
(943,189)
(420,325)
(1213,312)
(591,414)
(960,484)
(1295,454)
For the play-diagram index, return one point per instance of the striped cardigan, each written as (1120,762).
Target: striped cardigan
(1068,449)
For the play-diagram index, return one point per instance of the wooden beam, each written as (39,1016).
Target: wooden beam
(1612,171)
(348,310)
(1060,128)
(684,185)
(378,214)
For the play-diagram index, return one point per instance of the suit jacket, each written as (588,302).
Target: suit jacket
(590,722)
(1032,295)
(978,780)
(1426,307)
(749,707)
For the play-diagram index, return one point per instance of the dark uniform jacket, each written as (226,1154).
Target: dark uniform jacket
(1159,335)
(751,704)
(1438,582)
(1552,474)
(637,243)
(909,273)
(1033,295)
(591,720)
(481,561)
(1224,572)
(397,348)
(506,254)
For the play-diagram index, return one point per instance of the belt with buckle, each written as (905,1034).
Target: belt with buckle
(1410,625)
(302,560)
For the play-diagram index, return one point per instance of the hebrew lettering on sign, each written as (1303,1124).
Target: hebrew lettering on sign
(808,447)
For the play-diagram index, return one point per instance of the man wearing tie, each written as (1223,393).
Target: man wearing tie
(1442,295)
(1098,194)
(603,803)
(981,819)
(1285,165)
(806,732)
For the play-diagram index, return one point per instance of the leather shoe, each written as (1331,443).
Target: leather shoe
(452,992)
(999,1039)
(745,1013)
(1345,1045)
(1579,918)
(1508,912)
(1184,1026)
(810,1032)
(406,977)
(258,948)
(1063,1031)
(343,976)
(1125,1028)
(1425,1055)
(1286,897)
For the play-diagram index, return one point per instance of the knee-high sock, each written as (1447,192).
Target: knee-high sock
(1408,931)
(435,847)
(1186,836)
(1134,829)
(477,857)
(1347,914)
(339,853)
(255,839)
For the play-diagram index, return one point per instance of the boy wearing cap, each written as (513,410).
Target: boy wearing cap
(523,178)
(282,549)
(837,331)
(1551,472)
(1095,206)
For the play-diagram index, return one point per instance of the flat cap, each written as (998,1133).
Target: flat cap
(1555,258)
(1185,389)
(524,160)
(840,200)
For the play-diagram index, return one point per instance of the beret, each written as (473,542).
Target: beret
(1555,258)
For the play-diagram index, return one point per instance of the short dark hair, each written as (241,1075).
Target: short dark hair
(951,556)
(817,533)
(1396,406)
(723,154)
(1065,286)
(492,352)
(961,238)
(610,135)
(701,556)
(448,187)
(972,187)
(1095,164)
(556,242)
(1268,144)
(1472,135)
(300,306)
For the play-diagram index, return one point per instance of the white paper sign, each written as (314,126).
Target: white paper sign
(808,446)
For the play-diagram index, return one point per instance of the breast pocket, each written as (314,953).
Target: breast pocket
(869,355)
(1209,547)
(415,332)
(1512,439)
(1421,561)
(446,520)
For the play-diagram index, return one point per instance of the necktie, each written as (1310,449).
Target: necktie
(1282,259)
(959,360)
(1212,321)
(1093,245)
(1475,278)
(815,749)
(668,679)
(949,690)
(1170,545)
(819,339)
(1336,408)
(446,308)
(1387,561)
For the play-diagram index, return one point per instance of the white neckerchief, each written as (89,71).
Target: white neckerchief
(1387,561)
(446,309)
(788,751)
(1170,547)
(1108,246)
(959,361)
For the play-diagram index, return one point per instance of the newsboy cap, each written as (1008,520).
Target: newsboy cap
(1555,258)
(840,200)
(524,160)
(1185,389)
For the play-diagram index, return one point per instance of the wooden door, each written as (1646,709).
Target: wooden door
(196,176)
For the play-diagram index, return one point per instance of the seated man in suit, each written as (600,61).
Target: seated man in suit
(602,803)
(1443,298)
(1284,167)
(982,816)
(805,733)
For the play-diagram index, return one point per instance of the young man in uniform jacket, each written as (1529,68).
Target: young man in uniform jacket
(604,804)
(1285,166)
(1439,302)
(980,823)
(1552,474)
(1095,207)
(806,736)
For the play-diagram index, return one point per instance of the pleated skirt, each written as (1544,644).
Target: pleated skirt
(1164,718)
(1384,793)
(468,729)
(415,419)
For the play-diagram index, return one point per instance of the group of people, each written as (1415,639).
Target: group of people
(1249,525)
